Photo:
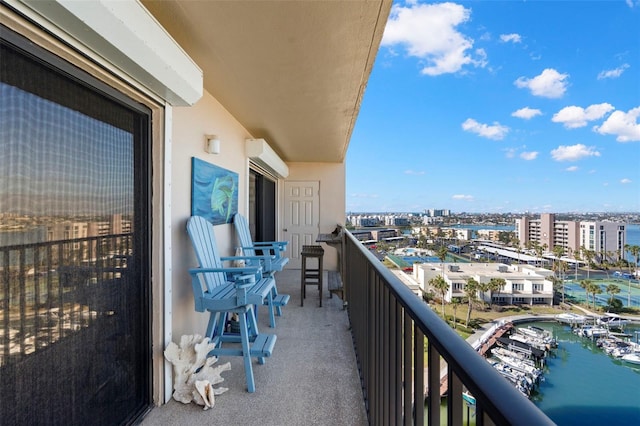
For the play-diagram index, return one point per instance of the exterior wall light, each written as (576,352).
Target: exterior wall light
(212,145)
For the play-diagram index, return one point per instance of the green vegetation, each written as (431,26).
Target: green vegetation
(481,317)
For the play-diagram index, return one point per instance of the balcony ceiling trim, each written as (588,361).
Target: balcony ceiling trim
(127,36)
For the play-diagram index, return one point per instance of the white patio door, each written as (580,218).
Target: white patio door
(301,217)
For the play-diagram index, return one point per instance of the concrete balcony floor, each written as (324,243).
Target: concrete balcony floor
(311,377)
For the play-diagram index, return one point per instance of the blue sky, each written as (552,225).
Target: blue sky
(491,106)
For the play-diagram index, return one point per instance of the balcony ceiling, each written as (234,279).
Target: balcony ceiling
(292,72)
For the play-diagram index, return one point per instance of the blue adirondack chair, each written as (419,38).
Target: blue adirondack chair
(273,259)
(223,291)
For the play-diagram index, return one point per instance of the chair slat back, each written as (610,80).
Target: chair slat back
(204,244)
(244,235)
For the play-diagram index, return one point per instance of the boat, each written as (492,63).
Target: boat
(538,337)
(532,373)
(570,318)
(531,341)
(468,398)
(632,358)
(591,331)
(612,321)
(509,343)
(615,347)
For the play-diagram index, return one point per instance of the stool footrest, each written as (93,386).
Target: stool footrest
(261,347)
(281,300)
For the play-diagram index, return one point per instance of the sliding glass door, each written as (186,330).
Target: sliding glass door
(74,244)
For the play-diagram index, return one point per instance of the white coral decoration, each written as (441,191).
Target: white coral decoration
(194,373)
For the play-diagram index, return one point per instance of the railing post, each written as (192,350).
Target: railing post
(372,291)
(454,398)
(418,375)
(407,367)
(433,379)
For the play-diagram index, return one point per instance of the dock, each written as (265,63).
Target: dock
(482,350)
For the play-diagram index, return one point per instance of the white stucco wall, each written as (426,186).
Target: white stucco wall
(332,198)
(190,125)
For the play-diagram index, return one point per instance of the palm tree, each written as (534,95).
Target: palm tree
(586,285)
(633,251)
(559,266)
(539,250)
(441,285)
(576,256)
(588,255)
(595,289)
(495,285)
(455,301)
(422,241)
(612,289)
(442,253)
(558,252)
(471,288)
(483,288)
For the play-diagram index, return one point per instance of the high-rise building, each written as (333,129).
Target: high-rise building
(605,239)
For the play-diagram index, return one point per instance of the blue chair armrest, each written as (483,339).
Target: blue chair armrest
(267,250)
(247,270)
(232,258)
(252,260)
(271,243)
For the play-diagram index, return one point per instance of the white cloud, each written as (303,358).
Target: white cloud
(510,152)
(514,38)
(625,181)
(495,131)
(428,32)
(532,155)
(614,73)
(413,172)
(526,113)
(573,152)
(462,197)
(549,84)
(624,125)
(573,117)
(572,169)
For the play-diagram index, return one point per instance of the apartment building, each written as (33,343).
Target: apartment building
(393,220)
(605,239)
(438,212)
(525,284)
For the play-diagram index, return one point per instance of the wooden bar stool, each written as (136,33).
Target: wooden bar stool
(311,276)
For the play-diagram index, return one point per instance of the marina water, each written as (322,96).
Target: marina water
(585,386)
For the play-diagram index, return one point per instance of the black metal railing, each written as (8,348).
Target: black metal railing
(394,331)
(53,289)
